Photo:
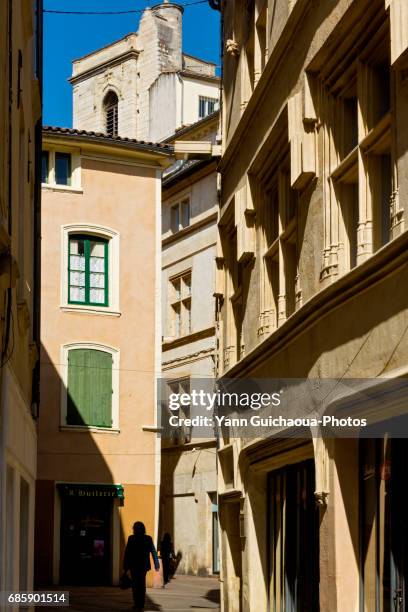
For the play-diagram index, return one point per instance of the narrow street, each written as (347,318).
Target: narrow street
(184,593)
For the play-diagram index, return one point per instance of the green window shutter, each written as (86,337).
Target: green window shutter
(78,400)
(101,389)
(89,388)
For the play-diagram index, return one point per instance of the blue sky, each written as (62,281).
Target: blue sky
(67,37)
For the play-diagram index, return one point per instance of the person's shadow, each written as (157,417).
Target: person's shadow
(151,606)
(213,595)
(174,565)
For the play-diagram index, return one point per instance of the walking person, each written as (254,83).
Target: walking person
(139,547)
(167,556)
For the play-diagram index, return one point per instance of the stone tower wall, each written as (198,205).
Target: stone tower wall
(160,40)
(129,67)
(120,76)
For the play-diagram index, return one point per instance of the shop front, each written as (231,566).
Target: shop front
(87,532)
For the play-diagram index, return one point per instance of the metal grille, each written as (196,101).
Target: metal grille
(111,113)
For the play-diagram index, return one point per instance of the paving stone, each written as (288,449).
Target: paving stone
(183,594)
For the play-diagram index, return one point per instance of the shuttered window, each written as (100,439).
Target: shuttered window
(88,270)
(111,113)
(89,397)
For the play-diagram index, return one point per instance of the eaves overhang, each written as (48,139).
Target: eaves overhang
(150,151)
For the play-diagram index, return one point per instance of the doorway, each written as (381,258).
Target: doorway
(293,525)
(384,524)
(232,542)
(86,541)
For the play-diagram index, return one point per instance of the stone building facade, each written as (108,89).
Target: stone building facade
(188,500)
(157,87)
(312,273)
(99,455)
(20,147)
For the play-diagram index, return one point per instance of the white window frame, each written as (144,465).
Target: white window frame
(115,353)
(75,169)
(179,204)
(113,237)
(206,100)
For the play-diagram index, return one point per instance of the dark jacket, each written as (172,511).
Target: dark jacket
(137,553)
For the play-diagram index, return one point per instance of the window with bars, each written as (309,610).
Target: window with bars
(206,106)
(88,270)
(111,113)
(180,305)
(89,398)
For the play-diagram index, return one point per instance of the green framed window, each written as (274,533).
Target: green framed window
(88,270)
(89,395)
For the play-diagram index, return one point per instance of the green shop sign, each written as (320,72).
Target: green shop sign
(85,490)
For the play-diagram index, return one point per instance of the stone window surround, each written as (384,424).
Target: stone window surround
(355,167)
(111,84)
(254,50)
(75,186)
(178,200)
(279,250)
(65,348)
(185,298)
(233,345)
(113,308)
(182,434)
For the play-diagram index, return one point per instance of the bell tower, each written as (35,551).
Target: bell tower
(124,71)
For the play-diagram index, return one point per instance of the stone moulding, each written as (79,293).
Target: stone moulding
(232,47)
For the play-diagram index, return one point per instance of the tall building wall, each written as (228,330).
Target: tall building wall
(312,270)
(20,121)
(188,509)
(95,457)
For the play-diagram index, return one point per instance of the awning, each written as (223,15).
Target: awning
(90,490)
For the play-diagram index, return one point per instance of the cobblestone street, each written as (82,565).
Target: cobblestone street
(184,593)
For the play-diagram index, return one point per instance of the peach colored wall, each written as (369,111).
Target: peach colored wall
(121,197)
(139,506)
